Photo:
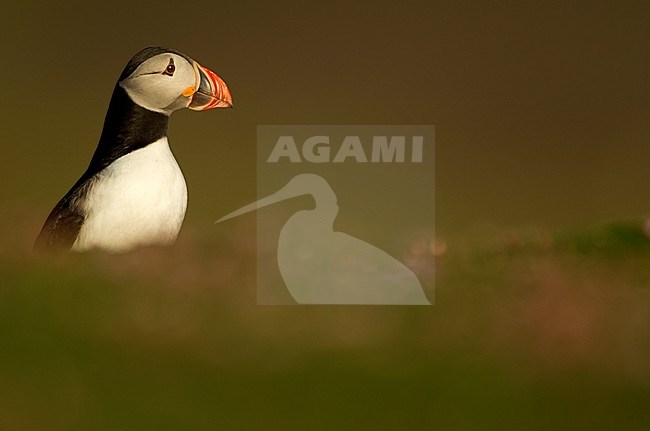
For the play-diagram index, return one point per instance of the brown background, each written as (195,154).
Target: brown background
(541,114)
(541,111)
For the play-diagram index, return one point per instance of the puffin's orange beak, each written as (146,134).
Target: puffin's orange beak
(212,91)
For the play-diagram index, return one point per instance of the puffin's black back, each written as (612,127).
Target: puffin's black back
(127,127)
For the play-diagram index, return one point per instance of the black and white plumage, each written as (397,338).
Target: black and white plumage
(133,192)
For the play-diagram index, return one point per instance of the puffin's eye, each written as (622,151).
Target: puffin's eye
(169,70)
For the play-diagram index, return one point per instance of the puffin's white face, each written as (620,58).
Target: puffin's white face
(167,82)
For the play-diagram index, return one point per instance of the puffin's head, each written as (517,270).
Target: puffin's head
(164,80)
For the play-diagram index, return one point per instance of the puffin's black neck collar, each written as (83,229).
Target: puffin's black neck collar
(127,127)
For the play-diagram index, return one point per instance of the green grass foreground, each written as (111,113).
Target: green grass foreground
(535,332)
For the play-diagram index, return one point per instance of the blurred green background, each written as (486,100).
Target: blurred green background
(540,322)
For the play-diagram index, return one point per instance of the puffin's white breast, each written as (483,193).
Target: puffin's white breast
(139,199)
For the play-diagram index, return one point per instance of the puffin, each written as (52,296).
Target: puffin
(133,193)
